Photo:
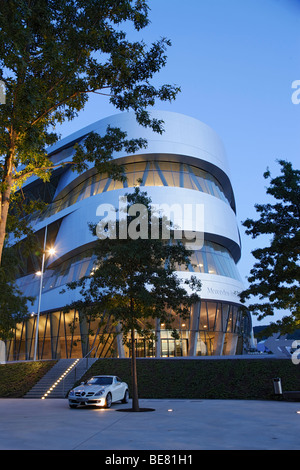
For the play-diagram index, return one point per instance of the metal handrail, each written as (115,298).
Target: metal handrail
(87,366)
(86,356)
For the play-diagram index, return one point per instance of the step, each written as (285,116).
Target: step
(60,389)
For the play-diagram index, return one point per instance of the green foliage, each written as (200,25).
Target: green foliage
(53,54)
(275,277)
(98,150)
(13,307)
(17,379)
(13,304)
(227,379)
(20,211)
(230,379)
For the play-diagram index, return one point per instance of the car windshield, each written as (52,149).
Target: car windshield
(100,381)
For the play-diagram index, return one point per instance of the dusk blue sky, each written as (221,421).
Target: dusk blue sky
(235,61)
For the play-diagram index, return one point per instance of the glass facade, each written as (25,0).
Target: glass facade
(221,329)
(70,270)
(150,174)
(211,259)
(214,327)
(61,335)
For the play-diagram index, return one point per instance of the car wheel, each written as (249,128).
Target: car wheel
(108,401)
(126,397)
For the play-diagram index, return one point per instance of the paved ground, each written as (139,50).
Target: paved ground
(191,425)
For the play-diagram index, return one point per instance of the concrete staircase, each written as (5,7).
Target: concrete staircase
(60,379)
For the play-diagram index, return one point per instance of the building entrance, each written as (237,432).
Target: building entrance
(174,347)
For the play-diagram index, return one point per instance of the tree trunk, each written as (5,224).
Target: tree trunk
(135,398)
(3,219)
(2,230)
(5,199)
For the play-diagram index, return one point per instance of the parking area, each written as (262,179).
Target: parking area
(30,424)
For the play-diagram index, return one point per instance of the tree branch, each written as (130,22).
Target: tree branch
(43,168)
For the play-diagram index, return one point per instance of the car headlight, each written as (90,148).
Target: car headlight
(98,394)
(71,393)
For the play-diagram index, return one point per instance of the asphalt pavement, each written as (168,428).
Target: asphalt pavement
(172,425)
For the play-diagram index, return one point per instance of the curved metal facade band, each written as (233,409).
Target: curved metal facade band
(184,167)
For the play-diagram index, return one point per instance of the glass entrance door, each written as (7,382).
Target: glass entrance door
(174,347)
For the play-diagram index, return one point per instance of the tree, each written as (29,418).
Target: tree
(13,304)
(53,55)
(135,278)
(275,277)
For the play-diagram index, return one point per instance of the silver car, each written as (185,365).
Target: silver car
(100,390)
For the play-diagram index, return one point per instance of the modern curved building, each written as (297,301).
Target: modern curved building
(184,167)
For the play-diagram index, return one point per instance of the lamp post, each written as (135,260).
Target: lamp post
(51,251)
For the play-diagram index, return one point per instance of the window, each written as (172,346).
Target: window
(150,174)
(213,259)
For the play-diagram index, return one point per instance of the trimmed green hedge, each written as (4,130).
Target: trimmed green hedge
(248,379)
(18,378)
(211,379)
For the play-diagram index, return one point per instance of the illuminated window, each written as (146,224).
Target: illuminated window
(146,174)
(213,259)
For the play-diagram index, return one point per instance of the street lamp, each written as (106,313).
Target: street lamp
(51,251)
